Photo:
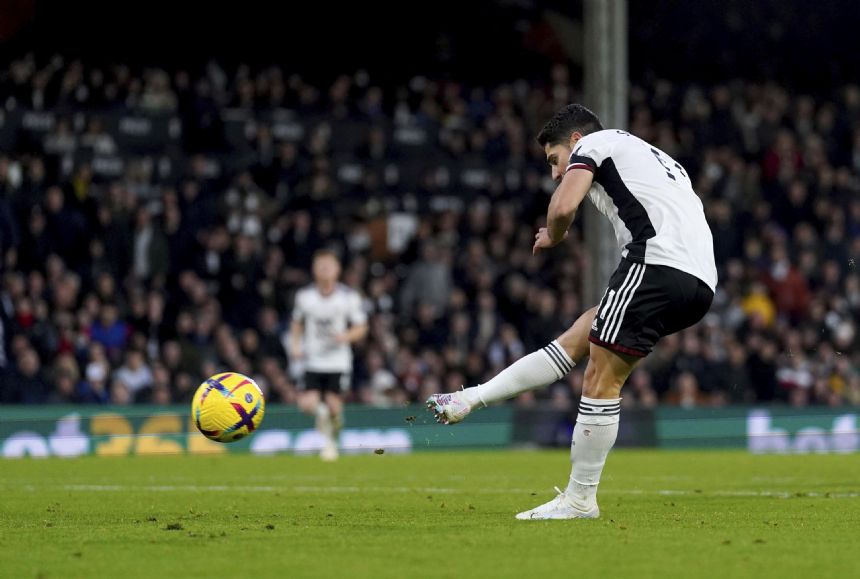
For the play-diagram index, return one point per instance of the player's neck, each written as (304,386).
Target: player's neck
(326,289)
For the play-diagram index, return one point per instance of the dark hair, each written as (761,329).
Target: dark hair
(568,120)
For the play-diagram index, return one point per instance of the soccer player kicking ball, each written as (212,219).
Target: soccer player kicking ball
(664,283)
(328,318)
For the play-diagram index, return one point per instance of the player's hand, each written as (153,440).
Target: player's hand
(341,338)
(543,241)
(296,353)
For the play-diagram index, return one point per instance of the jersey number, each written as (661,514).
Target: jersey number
(665,166)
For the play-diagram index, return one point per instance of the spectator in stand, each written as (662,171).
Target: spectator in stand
(110,331)
(136,375)
(26,384)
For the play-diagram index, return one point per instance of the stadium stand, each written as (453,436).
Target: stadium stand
(155,224)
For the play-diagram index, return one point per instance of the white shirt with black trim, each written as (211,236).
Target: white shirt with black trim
(324,317)
(648,197)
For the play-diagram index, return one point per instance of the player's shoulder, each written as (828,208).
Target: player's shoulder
(347,292)
(597,145)
(306,291)
(610,143)
(604,137)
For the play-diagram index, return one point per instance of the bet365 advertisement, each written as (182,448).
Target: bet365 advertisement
(760,430)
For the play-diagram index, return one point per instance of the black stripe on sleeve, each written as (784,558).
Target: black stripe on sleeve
(581,162)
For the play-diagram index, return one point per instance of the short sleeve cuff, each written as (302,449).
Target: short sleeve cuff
(580,162)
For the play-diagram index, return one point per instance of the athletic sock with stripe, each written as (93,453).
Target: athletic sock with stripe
(545,366)
(593,436)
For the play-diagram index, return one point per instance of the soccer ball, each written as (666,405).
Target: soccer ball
(227,407)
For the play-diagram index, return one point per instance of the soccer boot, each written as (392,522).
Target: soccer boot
(329,451)
(561,507)
(448,408)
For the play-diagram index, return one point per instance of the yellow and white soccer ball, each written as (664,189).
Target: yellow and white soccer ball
(227,407)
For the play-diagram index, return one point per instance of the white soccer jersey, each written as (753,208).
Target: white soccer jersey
(324,317)
(647,195)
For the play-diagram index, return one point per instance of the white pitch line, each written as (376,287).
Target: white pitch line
(441,490)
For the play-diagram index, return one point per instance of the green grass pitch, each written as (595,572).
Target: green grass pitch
(664,514)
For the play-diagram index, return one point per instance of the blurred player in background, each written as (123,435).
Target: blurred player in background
(328,317)
(665,283)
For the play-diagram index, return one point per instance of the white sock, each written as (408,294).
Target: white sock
(324,423)
(323,411)
(593,436)
(545,366)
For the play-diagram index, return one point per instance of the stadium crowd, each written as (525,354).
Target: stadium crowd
(155,224)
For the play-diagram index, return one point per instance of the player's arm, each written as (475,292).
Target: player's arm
(297,329)
(297,332)
(354,334)
(357,323)
(565,201)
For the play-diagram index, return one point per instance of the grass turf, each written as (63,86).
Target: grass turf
(664,514)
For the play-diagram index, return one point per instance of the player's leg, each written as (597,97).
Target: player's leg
(545,366)
(657,301)
(338,392)
(596,425)
(575,340)
(308,401)
(335,405)
(643,304)
(312,401)
(622,324)
(593,436)
(334,402)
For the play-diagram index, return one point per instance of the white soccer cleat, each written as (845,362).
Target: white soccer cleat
(448,408)
(561,507)
(329,452)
